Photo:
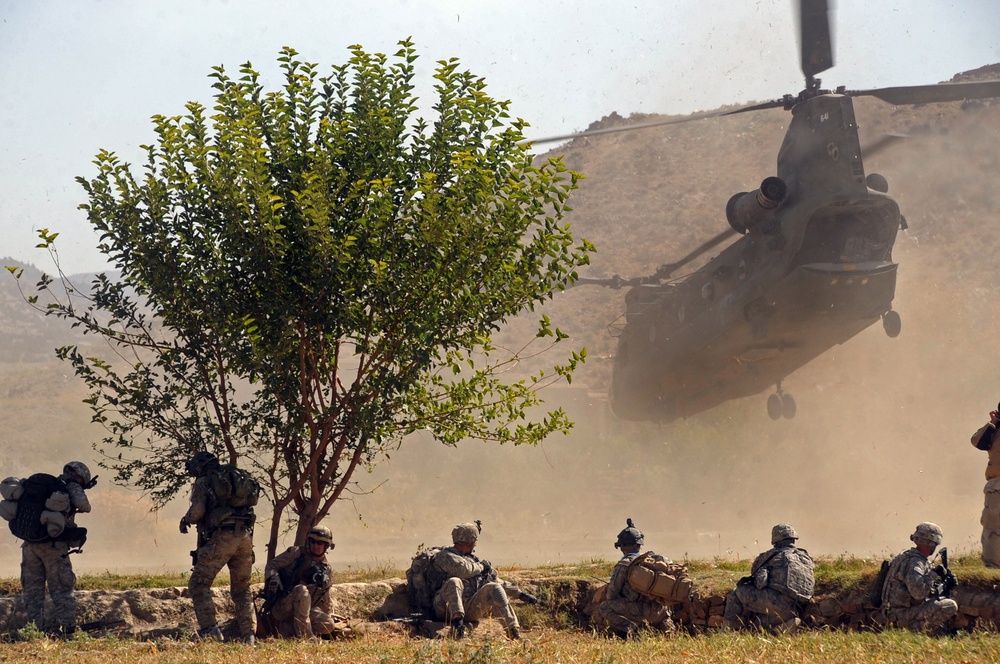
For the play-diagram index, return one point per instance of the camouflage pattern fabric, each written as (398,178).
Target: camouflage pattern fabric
(990,518)
(624,609)
(783,582)
(306,610)
(747,605)
(910,598)
(786,569)
(48,563)
(230,547)
(233,549)
(467,591)
(296,615)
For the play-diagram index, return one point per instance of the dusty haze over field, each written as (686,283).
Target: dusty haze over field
(881,440)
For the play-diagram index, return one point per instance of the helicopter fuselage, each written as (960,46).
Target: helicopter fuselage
(813,269)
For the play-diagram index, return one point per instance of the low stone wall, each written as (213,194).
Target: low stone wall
(152,612)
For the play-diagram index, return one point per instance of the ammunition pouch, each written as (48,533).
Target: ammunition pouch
(659,580)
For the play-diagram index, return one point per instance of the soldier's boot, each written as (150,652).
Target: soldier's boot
(249,639)
(458,628)
(210,633)
(790,626)
(514,633)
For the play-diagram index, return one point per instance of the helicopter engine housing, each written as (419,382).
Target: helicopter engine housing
(749,209)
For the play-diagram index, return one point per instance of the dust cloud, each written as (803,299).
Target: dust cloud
(880,442)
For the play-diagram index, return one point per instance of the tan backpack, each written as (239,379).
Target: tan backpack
(658,579)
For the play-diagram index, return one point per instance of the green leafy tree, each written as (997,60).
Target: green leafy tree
(310,274)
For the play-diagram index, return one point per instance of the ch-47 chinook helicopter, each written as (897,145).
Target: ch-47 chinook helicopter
(813,266)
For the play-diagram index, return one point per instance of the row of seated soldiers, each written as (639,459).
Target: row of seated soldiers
(779,587)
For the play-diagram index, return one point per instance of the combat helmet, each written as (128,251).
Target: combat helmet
(200,462)
(466,533)
(630,536)
(79,468)
(783,531)
(321,534)
(927,532)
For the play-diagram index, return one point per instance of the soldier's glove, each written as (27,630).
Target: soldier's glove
(274,585)
(941,571)
(487,567)
(528,598)
(185,524)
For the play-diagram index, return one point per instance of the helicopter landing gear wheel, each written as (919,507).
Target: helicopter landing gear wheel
(774,407)
(891,324)
(781,405)
(788,407)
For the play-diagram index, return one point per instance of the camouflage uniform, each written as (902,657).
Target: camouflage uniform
(307,610)
(231,544)
(464,590)
(624,610)
(48,562)
(990,519)
(780,584)
(909,596)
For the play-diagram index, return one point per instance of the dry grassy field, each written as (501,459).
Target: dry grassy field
(541,645)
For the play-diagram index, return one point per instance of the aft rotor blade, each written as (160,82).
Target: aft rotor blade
(881,143)
(924,94)
(814,30)
(655,123)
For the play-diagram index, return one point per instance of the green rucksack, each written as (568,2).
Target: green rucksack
(233,487)
(419,583)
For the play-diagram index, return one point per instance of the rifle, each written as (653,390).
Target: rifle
(415,619)
(202,541)
(948,580)
(103,624)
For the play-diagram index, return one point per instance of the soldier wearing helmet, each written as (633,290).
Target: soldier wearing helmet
(297,587)
(990,518)
(623,610)
(47,563)
(225,539)
(467,589)
(911,595)
(779,587)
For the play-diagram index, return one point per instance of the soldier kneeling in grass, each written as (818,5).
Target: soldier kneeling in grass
(779,587)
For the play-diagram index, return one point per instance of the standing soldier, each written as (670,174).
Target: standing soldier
(990,519)
(624,610)
(47,561)
(297,583)
(911,595)
(222,500)
(780,585)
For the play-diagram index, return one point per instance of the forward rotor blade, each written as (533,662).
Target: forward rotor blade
(655,123)
(695,253)
(814,27)
(924,94)
(661,273)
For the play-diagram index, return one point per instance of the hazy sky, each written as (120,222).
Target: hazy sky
(77,76)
